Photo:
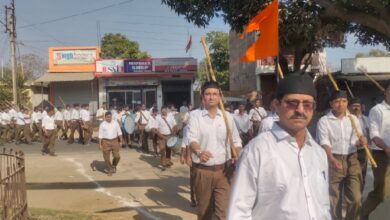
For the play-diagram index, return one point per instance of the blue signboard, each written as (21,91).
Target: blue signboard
(138,65)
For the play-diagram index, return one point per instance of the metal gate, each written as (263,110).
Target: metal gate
(13,196)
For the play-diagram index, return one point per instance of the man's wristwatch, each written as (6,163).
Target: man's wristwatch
(198,152)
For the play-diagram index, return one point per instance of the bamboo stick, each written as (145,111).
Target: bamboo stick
(372,79)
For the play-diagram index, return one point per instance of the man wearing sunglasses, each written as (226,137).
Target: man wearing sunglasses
(337,136)
(283,173)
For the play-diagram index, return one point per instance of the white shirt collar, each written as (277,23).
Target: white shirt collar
(387,106)
(206,112)
(332,116)
(281,135)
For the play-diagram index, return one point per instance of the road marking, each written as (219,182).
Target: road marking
(99,188)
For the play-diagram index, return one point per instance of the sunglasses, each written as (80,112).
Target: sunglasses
(294,104)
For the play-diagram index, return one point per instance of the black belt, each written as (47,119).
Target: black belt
(106,139)
(378,151)
(343,157)
(213,167)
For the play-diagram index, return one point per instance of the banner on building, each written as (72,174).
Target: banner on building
(138,65)
(171,65)
(110,66)
(74,57)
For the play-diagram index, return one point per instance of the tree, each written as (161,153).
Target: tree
(374,53)
(119,46)
(369,19)
(6,87)
(302,28)
(33,65)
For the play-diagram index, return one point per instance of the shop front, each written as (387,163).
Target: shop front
(146,81)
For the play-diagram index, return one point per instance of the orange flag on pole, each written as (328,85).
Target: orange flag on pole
(267,44)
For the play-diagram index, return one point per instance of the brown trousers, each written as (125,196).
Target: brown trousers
(143,137)
(49,141)
(381,189)
(2,131)
(362,157)
(75,126)
(192,184)
(245,137)
(349,181)
(66,129)
(88,131)
(256,127)
(165,152)
(27,133)
(212,189)
(108,147)
(37,129)
(60,128)
(18,133)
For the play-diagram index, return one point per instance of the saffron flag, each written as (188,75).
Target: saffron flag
(189,44)
(267,44)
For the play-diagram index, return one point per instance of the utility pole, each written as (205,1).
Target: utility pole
(11,30)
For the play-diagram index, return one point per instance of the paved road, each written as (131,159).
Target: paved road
(140,189)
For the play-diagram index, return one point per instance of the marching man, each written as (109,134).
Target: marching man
(166,128)
(211,154)
(257,114)
(110,140)
(337,136)
(49,133)
(244,124)
(283,173)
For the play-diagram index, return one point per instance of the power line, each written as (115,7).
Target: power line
(77,14)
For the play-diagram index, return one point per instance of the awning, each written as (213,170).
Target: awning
(65,77)
(361,78)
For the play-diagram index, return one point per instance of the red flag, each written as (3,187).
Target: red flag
(189,44)
(267,44)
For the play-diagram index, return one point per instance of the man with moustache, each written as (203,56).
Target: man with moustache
(283,173)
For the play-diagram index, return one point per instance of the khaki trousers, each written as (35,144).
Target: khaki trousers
(165,152)
(66,129)
(37,129)
(111,146)
(27,133)
(88,131)
(75,126)
(256,127)
(348,180)
(6,133)
(2,131)
(381,189)
(143,137)
(212,189)
(60,127)
(18,133)
(49,141)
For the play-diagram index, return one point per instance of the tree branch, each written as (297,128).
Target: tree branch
(367,20)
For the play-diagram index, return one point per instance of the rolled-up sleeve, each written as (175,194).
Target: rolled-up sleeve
(244,190)
(323,133)
(375,120)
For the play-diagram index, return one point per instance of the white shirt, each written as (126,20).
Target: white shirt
(338,134)
(67,115)
(115,115)
(84,115)
(268,122)
(152,123)
(44,113)
(144,119)
(210,134)
(36,117)
(27,118)
(75,115)
(380,123)
(109,130)
(19,118)
(364,122)
(243,122)
(276,180)
(48,122)
(100,113)
(58,116)
(12,113)
(183,109)
(256,114)
(163,126)
(5,118)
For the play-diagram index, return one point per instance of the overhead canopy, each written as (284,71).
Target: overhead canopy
(358,78)
(65,77)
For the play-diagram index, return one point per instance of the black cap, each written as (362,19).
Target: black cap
(339,94)
(296,83)
(355,101)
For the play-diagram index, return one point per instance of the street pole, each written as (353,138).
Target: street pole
(11,29)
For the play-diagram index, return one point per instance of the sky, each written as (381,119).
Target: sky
(158,29)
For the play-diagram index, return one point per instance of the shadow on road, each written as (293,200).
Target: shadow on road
(97,165)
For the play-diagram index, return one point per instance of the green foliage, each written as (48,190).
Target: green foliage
(6,87)
(119,46)
(374,53)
